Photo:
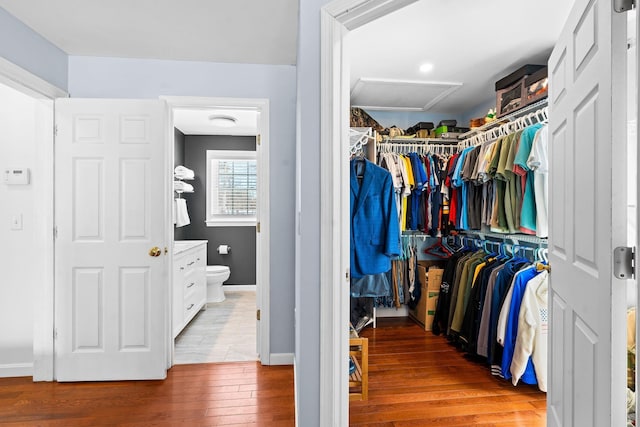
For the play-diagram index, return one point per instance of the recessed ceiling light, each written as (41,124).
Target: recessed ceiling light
(222,121)
(425,68)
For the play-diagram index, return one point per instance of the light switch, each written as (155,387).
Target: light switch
(16,222)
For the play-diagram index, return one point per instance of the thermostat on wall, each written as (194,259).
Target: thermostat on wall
(16,176)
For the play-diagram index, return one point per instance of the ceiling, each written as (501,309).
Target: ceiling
(196,121)
(241,31)
(471,44)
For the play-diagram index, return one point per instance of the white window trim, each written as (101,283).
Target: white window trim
(227,220)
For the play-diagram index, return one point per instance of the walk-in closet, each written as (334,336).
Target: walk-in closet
(451,205)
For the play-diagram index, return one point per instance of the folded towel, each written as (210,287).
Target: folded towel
(182,187)
(182,216)
(181,172)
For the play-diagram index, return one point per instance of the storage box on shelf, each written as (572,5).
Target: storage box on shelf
(511,91)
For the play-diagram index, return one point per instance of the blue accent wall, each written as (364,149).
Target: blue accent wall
(24,47)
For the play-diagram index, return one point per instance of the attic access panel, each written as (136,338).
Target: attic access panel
(406,95)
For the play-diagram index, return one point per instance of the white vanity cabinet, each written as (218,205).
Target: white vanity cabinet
(189,281)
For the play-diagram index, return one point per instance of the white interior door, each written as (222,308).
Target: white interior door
(111,288)
(587,218)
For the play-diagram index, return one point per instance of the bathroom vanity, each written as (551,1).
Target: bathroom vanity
(189,281)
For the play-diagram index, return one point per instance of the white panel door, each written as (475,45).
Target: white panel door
(111,289)
(587,219)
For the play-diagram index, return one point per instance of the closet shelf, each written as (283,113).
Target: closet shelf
(515,238)
(358,138)
(505,119)
(417,141)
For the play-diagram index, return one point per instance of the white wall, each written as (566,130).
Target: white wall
(18,253)
(29,50)
(94,77)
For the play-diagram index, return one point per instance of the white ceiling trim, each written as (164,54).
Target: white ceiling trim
(363,11)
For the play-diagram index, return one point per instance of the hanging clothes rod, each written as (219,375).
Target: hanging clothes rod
(507,118)
(408,147)
(514,238)
(518,123)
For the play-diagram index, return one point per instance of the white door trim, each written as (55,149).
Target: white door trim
(263,238)
(337,19)
(43,293)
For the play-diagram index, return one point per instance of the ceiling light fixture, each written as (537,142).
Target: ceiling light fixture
(425,68)
(222,121)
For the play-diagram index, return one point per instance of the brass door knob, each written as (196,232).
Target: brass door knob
(155,251)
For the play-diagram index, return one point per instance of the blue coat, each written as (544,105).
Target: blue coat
(375,233)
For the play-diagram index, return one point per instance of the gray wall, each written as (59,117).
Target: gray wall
(178,159)
(28,49)
(147,78)
(242,259)
(308,284)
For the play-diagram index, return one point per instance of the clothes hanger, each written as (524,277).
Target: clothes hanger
(438,250)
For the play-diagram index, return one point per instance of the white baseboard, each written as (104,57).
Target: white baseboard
(403,311)
(16,370)
(281,359)
(238,288)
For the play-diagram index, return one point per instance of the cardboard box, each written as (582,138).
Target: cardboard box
(434,278)
(426,308)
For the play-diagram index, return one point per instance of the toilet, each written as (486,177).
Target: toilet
(216,276)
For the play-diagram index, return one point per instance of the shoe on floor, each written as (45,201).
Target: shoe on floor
(362,322)
(352,366)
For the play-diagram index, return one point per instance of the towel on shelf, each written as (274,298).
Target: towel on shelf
(181,172)
(182,215)
(182,187)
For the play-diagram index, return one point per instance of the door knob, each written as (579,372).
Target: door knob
(155,251)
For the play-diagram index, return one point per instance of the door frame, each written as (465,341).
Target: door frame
(44,290)
(336,20)
(263,286)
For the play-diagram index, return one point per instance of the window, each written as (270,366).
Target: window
(231,188)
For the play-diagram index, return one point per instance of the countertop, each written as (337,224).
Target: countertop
(180,246)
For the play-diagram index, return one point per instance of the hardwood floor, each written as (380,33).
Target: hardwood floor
(415,379)
(192,395)
(418,379)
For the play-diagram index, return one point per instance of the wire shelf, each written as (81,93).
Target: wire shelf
(514,238)
(505,119)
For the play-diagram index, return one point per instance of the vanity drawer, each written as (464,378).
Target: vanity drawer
(193,303)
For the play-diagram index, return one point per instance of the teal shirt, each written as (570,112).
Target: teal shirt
(528,210)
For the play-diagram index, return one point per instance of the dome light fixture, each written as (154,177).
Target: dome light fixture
(223,120)
(426,67)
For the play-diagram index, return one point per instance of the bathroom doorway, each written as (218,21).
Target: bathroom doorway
(223,144)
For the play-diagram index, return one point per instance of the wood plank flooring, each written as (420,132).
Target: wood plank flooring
(242,393)
(416,379)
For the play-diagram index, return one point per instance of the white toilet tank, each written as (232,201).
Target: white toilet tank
(216,276)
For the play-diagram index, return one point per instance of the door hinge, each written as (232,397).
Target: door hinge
(55,333)
(346,275)
(258,314)
(55,232)
(55,130)
(622,6)
(258,139)
(257,227)
(624,262)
